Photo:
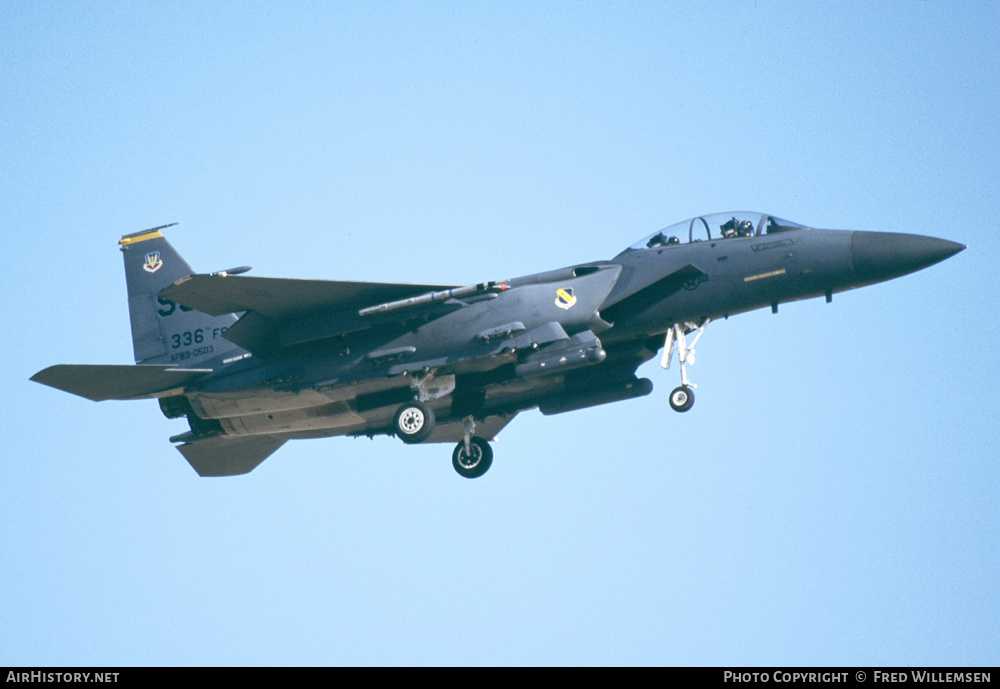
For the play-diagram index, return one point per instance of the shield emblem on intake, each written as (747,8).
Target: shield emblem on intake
(153,262)
(565,298)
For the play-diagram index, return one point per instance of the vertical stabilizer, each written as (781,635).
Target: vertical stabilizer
(164,332)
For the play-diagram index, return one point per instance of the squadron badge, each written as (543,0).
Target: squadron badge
(153,262)
(565,298)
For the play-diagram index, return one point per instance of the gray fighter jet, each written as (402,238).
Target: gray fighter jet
(253,362)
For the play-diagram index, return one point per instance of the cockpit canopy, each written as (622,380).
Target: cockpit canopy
(716,226)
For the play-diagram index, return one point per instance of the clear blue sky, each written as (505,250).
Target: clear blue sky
(831,499)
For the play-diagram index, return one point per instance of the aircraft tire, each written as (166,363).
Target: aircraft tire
(414,422)
(475,465)
(681,399)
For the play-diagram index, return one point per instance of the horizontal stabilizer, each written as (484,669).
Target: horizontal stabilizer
(116,382)
(221,456)
(280,299)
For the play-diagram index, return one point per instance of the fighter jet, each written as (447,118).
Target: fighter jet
(253,362)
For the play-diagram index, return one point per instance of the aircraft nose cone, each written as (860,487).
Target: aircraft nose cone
(879,256)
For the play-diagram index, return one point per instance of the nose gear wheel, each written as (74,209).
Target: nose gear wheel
(681,399)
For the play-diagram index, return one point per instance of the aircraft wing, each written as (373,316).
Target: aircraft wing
(282,312)
(281,299)
(99,383)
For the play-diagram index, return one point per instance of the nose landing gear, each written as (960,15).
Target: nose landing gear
(682,398)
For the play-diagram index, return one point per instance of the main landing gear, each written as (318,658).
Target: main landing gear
(473,456)
(414,423)
(682,398)
(474,461)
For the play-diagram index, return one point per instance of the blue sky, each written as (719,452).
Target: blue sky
(832,497)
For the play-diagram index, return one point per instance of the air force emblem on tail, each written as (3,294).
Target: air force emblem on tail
(152,262)
(565,298)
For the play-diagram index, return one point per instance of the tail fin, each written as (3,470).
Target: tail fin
(164,332)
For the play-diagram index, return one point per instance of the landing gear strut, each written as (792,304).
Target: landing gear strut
(682,398)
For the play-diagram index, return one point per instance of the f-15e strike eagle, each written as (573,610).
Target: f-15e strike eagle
(253,362)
